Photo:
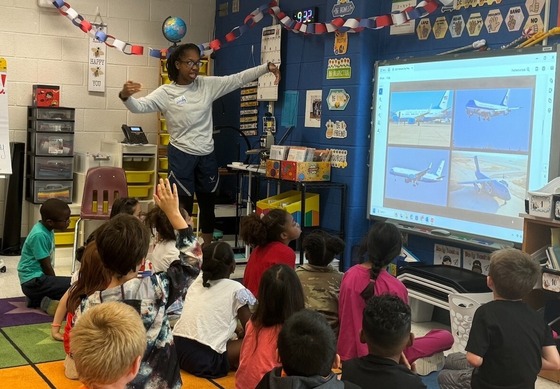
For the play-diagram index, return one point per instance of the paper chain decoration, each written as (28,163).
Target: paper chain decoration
(423,9)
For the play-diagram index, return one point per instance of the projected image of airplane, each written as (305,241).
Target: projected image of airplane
(486,111)
(492,187)
(440,114)
(414,176)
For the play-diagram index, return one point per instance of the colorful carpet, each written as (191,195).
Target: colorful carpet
(14,312)
(30,358)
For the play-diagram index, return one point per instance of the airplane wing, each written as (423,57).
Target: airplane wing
(421,174)
(476,181)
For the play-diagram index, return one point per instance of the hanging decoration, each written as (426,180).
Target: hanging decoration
(97,57)
(423,9)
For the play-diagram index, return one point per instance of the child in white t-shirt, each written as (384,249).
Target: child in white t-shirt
(204,334)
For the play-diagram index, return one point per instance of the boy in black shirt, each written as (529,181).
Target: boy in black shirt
(509,343)
(386,330)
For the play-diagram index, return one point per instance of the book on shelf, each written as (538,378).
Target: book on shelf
(553,254)
(542,257)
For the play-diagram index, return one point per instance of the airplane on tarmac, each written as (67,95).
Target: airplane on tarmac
(493,187)
(411,175)
(486,111)
(412,116)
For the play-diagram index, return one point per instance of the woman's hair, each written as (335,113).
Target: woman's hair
(93,276)
(280,295)
(259,231)
(157,220)
(176,54)
(217,262)
(383,244)
(320,247)
(122,243)
(123,205)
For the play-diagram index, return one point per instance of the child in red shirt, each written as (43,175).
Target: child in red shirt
(269,236)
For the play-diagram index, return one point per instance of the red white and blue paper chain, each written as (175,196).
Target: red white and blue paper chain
(423,9)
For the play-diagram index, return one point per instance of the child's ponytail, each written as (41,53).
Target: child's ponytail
(384,243)
(218,262)
(259,231)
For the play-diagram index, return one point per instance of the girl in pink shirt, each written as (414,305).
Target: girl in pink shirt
(280,295)
(370,278)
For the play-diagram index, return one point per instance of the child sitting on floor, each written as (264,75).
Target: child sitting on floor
(39,283)
(281,295)
(307,352)
(203,334)
(122,244)
(509,343)
(321,281)
(370,278)
(91,277)
(269,236)
(107,345)
(165,250)
(386,331)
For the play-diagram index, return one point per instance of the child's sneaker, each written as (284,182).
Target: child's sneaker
(49,306)
(425,366)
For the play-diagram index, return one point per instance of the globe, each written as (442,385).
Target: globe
(174,29)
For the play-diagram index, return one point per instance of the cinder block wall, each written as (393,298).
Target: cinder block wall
(43,47)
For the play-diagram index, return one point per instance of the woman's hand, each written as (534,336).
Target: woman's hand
(272,68)
(129,88)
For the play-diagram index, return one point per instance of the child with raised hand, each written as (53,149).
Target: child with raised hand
(321,281)
(386,332)
(122,244)
(203,334)
(269,236)
(307,352)
(280,295)
(165,250)
(370,278)
(107,345)
(509,343)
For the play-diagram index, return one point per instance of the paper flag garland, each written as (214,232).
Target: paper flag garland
(421,10)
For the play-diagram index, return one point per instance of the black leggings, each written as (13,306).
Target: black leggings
(206,204)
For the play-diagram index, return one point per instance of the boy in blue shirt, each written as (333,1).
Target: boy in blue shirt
(36,274)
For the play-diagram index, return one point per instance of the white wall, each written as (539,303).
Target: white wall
(43,47)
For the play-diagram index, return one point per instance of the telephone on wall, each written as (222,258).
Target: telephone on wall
(134,135)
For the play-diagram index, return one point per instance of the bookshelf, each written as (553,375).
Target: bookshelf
(536,234)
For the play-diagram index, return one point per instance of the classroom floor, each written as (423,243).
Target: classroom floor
(9,287)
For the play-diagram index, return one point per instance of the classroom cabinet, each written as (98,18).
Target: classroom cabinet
(50,154)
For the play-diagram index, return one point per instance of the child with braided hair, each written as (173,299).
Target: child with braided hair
(208,322)
(370,278)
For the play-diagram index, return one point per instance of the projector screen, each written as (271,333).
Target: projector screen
(457,140)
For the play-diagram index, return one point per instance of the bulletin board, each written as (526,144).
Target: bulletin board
(5,164)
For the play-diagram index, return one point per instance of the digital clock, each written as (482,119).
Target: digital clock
(307,15)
